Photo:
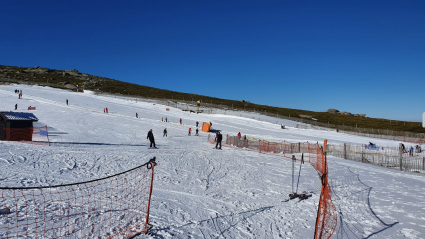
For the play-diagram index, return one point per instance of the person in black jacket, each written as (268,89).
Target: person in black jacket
(219,138)
(165,133)
(151,138)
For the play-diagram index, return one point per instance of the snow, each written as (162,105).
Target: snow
(200,192)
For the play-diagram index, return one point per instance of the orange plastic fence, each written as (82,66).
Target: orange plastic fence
(326,220)
(115,206)
(211,139)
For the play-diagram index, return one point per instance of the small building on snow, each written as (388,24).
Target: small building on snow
(16,126)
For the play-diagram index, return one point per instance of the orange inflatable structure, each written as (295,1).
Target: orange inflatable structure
(206,127)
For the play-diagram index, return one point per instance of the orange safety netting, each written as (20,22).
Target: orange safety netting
(211,139)
(326,220)
(115,206)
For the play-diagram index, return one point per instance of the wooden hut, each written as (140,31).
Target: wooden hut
(16,126)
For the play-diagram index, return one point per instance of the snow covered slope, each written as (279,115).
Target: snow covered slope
(200,192)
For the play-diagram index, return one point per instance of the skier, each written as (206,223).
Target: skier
(165,133)
(16,106)
(210,124)
(190,130)
(197,123)
(180,120)
(137,115)
(162,119)
(106,110)
(411,151)
(66,101)
(151,139)
(197,134)
(239,135)
(166,120)
(403,148)
(219,138)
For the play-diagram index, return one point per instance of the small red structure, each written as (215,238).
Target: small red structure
(167,109)
(16,126)
(31,108)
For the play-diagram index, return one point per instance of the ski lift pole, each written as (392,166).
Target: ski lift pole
(293,157)
(302,162)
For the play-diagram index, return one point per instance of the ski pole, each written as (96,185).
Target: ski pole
(302,161)
(293,162)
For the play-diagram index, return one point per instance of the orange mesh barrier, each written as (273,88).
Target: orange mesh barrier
(114,206)
(326,220)
(211,139)
(34,135)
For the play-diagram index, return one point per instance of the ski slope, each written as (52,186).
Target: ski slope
(200,192)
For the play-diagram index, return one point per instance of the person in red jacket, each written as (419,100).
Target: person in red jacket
(239,135)
(190,131)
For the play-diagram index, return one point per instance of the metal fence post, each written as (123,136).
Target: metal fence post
(400,152)
(345,151)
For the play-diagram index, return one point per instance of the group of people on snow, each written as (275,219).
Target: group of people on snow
(151,138)
(417,148)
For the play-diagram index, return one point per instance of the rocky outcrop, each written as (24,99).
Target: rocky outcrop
(333,111)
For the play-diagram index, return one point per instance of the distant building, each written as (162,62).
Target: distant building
(16,126)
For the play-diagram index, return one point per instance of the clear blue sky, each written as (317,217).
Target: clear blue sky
(356,56)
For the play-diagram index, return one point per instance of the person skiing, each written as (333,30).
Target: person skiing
(403,148)
(106,110)
(197,123)
(16,106)
(219,138)
(197,134)
(165,133)
(190,131)
(180,120)
(151,139)
(166,120)
(66,101)
(239,135)
(162,119)
(137,115)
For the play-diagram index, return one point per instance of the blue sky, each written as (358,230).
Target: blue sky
(357,56)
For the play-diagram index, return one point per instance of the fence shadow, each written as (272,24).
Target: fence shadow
(215,227)
(352,198)
(101,144)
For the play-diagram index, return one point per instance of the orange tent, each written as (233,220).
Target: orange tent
(206,127)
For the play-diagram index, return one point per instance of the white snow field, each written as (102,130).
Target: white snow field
(200,192)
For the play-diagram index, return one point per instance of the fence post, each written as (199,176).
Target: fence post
(345,151)
(400,152)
